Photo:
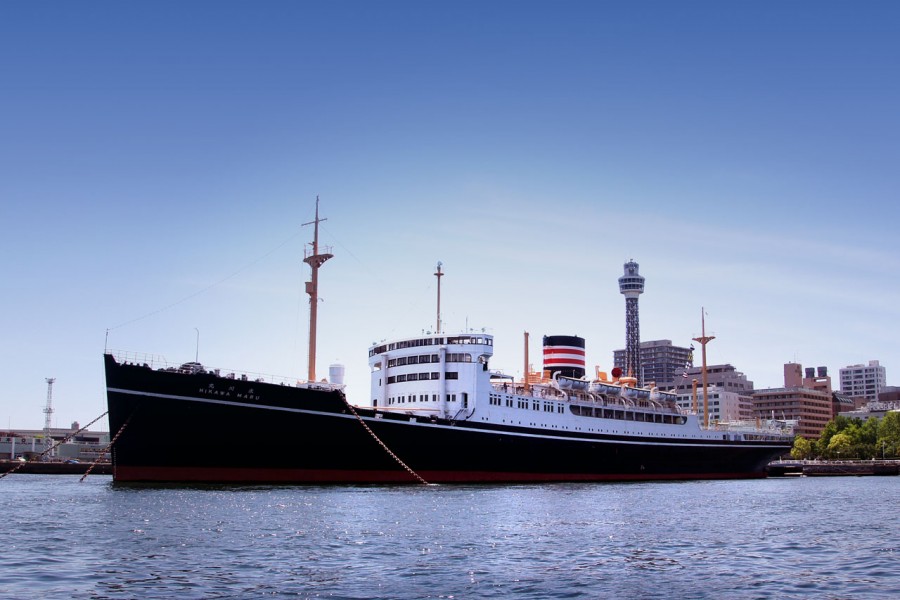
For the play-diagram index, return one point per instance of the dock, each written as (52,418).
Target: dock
(832,468)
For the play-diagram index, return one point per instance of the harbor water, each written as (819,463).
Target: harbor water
(770,538)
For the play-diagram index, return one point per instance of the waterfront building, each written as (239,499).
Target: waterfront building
(863,381)
(724,405)
(890,393)
(87,446)
(811,406)
(15,445)
(819,379)
(730,392)
(814,378)
(872,409)
(888,401)
(661,362)
(841,403)
(724,376)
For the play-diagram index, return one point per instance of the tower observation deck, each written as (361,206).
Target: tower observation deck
(631,285)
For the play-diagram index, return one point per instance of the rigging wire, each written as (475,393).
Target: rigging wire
(209,287)
(108,446)
(345,248)
(54,446)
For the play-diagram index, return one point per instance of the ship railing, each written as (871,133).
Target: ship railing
(154,361)
(533,391)
(585,398)
(645,405)
(274,379)
(158,362)
(744,426)
(461,415)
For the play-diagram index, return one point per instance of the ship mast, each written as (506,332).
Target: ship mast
(314,260)
(704,339)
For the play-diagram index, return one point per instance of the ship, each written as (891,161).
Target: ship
(437,413)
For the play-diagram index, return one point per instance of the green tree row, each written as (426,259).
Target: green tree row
(846,438)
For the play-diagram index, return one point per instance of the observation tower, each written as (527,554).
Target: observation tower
(631,285)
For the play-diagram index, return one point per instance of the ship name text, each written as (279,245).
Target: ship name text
(228,392)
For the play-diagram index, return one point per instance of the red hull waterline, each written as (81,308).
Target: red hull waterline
(126,474)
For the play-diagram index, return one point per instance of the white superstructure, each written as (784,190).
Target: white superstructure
(448,377)
(433,374)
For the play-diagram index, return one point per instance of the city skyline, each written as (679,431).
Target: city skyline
(159,161)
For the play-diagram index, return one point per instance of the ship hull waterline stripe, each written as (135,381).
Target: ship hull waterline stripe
(601,440)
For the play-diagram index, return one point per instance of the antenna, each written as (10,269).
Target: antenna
(48,413)
(314,260)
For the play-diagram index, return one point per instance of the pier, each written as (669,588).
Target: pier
(832,468)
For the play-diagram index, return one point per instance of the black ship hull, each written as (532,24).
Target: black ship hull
(199,427)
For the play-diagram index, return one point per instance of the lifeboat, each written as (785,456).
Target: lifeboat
(570,383)
(605,388)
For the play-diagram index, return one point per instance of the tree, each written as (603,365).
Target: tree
(869,431)
(889,434)
(839,445)
(802,449)
(861,441)
(830,430)
(864,435)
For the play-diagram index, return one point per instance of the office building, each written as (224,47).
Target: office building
(811,406)
(863,381)
(723,405)
(661,362)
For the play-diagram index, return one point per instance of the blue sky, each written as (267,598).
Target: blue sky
(159,158)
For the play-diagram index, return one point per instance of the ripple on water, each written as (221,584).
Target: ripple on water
(760,539)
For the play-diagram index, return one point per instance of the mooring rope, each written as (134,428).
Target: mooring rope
(383,445)
(108,446)
(53,447)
